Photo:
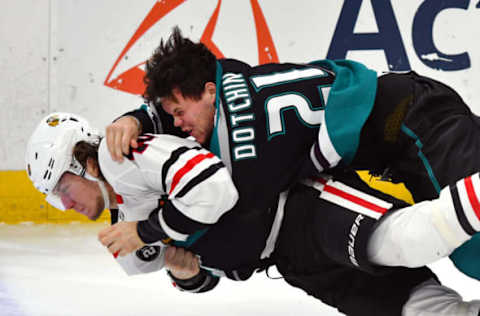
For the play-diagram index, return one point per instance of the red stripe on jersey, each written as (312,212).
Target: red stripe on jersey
(472,197)
(187,167)
(355,199)
(321,180)
(119,199)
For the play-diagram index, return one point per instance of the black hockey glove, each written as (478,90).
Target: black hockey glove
(202,282)
(150,230)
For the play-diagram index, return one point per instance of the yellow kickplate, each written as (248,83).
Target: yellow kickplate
(397,190)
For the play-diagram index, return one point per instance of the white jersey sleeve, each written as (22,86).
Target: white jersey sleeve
(149,258)
(442,225)
(145,260)
(195,184)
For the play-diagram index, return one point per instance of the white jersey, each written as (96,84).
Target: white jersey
(194,184)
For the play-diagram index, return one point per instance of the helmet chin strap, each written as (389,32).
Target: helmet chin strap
(106,198)
(103,189)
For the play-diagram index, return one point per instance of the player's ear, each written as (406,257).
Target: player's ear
(210,90)
(92,167)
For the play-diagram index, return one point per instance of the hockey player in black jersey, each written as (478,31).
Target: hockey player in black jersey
(297,119)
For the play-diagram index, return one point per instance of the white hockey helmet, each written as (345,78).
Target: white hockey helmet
(49,152)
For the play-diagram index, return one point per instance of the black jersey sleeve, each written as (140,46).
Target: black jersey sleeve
(155,120)
(146,122)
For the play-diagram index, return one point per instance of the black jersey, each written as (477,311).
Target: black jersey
(269,118)
(266,155)
(256,106)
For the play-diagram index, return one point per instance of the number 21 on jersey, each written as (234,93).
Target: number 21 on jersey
(276,105)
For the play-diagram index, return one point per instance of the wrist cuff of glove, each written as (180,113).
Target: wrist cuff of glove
(202,282)
(145,123)
(150,230)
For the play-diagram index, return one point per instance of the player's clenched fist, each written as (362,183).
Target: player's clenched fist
(121,238)
(122,134)
(182,263)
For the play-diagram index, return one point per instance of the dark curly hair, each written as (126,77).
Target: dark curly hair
(178,63)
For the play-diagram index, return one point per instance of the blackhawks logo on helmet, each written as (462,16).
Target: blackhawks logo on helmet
(53,120)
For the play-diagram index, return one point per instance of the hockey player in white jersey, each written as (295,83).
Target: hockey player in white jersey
(191,184)
(234,243)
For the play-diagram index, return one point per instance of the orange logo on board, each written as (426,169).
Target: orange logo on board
(131,80)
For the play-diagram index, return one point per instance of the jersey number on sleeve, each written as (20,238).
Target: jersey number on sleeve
(276,105)
(142,142)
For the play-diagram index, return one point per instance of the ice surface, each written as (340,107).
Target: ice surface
(62,270)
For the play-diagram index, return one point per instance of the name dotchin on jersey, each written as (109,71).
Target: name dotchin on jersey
(239,103)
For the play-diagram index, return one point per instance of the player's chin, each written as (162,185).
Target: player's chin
(95,215)
(199,137)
